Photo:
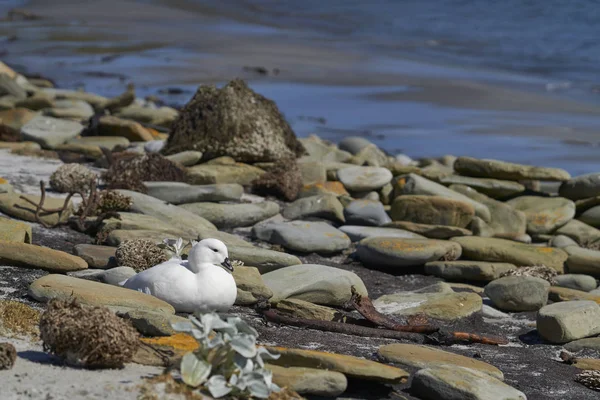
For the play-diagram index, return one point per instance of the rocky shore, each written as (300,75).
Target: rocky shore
(481,273)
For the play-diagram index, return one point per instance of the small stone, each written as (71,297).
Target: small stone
(321,206)
(519,254)
(481,271)
(314,283)
(581,187)
(583,261)
(242,174)
(11,122)
(101,257)
(417,356)
(309,381)
(544,214)
(77,110)
(233,215)
(50,132)
(93,293)
(304,309)
(98,102)
(366,212)
(187,158)
(361,179)
(486,168)
(413,184)
(353,144)
(591,216)
(518,293)
(117,275)
(182,193)
(161,116)
(432,210)
(562,241)
(350,366)
(384,252)
(585,283)
(14,231)
(306,237)
(442,232)
(450,382)
(436,301)
(583,234)
(109,125)
(32,256)
(358,233)
(567,321)
(490,187)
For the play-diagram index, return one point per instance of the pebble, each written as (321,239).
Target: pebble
(182,193)
(585,283)
(432,210)
(453,382)
(161,116)
(582,233)
(263,259)
(544,214)
(305,236)
(98,102)
(583,261)
(314,283)
(384,252)
(307,310)
(418,185)
(581,187)
(14,231)
(486,168)
(352,367)
(320,206)
(562,241)
(312,172)
(417,356)
(353,144)
(518,293)
(366,212)
(436,301)
(442,232)
(32,256)
(501,250)
(102,257)
(358,233)
(94,293)
(233,215)
(490,187)
(363,179)
(172,216)
(50,132)
(310,381)
(70,109)
(239,173)
(186,158)
(461,270)
(567,321)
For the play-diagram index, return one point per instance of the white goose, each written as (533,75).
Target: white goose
(198,284)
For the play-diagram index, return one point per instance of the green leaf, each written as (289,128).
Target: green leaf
(244,344)
(217,386)
(258,388)
(263,353)
(242,326)
(194,371)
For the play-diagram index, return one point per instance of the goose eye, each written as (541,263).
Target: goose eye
(215,250)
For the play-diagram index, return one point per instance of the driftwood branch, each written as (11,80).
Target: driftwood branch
(443,337)
(365,307)
(340,327)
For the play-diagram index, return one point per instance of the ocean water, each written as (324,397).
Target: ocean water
(515,80)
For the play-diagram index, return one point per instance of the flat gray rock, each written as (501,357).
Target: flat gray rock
(486,168)
(569,320)
(320,206)
(583,261)
(102,257)
(182,193)
(263,259)
(353,144)
(363,179)
(584,344)
(307,237)
(544,214)
(366,212)
(494,188)
(358,233)
(233,215)
(314,283)
(186,158)
(584,234)
(581,187)
(585,283)
(518,293)
(116,275)
(461,270)
(50,132)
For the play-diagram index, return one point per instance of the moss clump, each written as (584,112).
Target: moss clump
(72,178)
(233,121)
(131,171)
(139,254)
(283,180)
(8,356)
(91,337)
(18,319)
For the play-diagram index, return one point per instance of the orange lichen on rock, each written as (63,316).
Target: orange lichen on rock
(179,341)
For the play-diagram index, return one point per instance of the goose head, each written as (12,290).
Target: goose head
(209,251)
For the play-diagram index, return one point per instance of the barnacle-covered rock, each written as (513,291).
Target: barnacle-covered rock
(139,254)
(91,337)
(590,379)
(283,180)
(538,271)
(72,178)
(131,170)
(113,201)
(8,355)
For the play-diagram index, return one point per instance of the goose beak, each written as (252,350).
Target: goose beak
(227,264)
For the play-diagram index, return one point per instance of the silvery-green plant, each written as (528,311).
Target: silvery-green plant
(175,246)
(227,362)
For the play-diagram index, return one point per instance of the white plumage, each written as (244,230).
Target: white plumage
(198,284)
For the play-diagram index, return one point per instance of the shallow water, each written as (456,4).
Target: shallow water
(501,80)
